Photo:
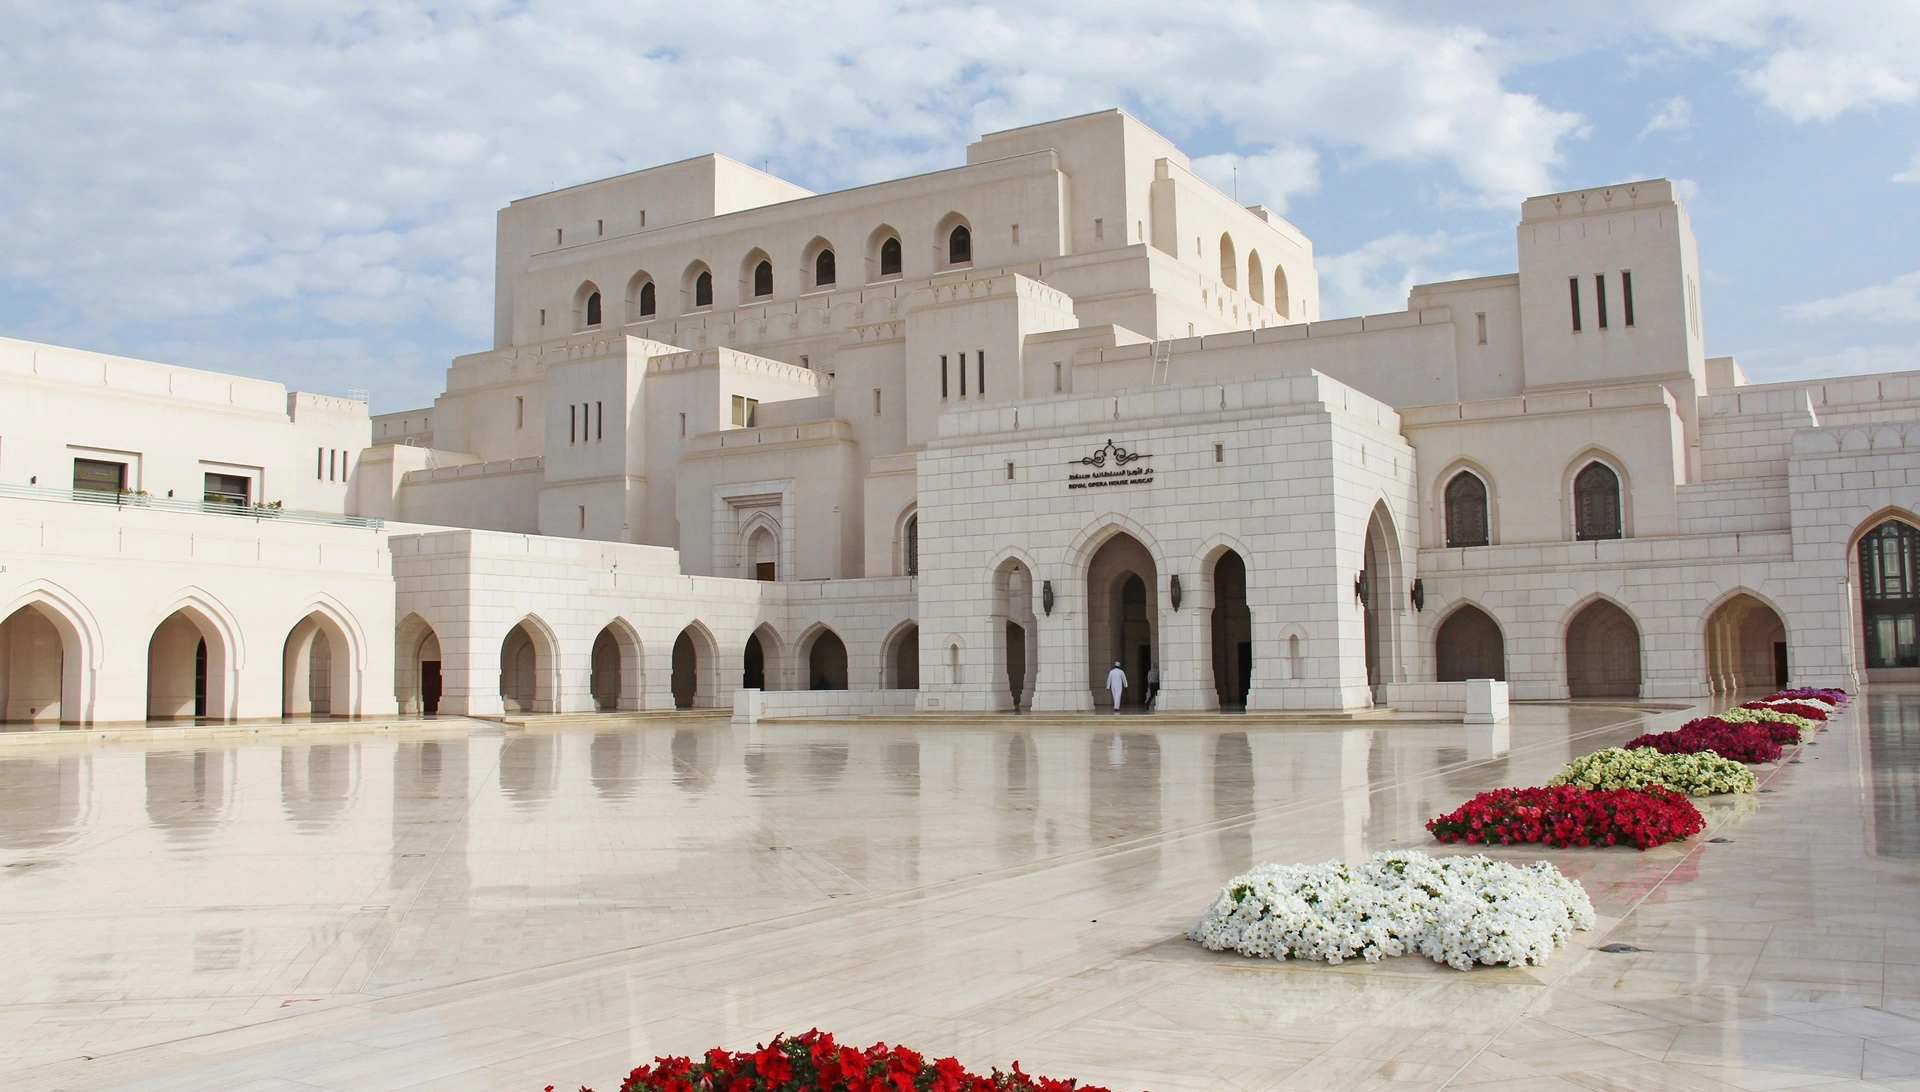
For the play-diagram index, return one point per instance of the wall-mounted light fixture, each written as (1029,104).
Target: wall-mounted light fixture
(1174,591)
(1360,587)
(1046,596)
(1419,595)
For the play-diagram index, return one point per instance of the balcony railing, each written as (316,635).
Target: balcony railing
(133,499)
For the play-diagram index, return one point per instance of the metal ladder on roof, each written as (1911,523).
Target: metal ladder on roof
(1162,362)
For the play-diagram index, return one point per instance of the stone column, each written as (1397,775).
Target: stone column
(1062,685)
(1186,653)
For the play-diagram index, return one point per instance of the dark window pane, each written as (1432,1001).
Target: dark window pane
(763,279)
(99,475)
(1467,511)
(703,290)
(646,299)
(1596,498)
(593,309)
(889,257)
(823,269)
(960,245)
(228,489)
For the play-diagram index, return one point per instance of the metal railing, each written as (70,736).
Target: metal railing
(123,498)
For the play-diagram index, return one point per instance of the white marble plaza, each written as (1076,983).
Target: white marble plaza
(459,905)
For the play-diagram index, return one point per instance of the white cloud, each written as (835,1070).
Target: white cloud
(1811,61)
(1896,301)
(330,171)
(1375,277)
(1912,173)
(1674,115)
(1271,178)
(1855,360)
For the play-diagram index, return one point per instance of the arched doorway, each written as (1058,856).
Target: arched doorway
(1123,616)
(526,670)
(317,669)
(826,662)
(416,666)
(1603,653)
(903,659)
(753,664)
(693,657)
(33,669)
(1381,589)
(1468,645)
(186,668)
(1015,626)
(1232,625)
(1746,645)
(1890,594)
(616,676)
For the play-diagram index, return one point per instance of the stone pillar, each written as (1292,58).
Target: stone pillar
(1062,685)
(469,675)
(1186,654)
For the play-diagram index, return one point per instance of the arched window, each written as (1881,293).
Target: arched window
(593,309)
(959,245)
(1256,277)
(1467,511)
(647,305)
(763,279)
(1596,503)
(823,269)
(1889,595)
(703,289)
(1229,264)
(910,545)
(1281,301)
(890,257)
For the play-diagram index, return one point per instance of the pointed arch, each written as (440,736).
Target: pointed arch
(900,657)
(1256,277)
(587,306)
(530,667)
(1588,519)
(756,275)
(618,673)
(885,256)
(1229,262)
(1603,649)
(695,681)
(954,236)
(51,648)
(1095,533)
(765,650)
(1883,562)
(1384,605)
(696,287)
(323,662)
(643,301)
(906,538)
(1282,302)
(1469,643)
(417,679)
(819,264)
(194,657)
(1746,641)
(821,658)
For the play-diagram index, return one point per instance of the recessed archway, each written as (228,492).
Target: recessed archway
(617,676)
(1468,645)
(694,682)
(1746,645)
(1603,652)
(188,663)
(35,669)
(826,659)
(1381,568)
(1123,616)
(417,680)
(1232,631)
(527,683)
(317,669)
(903,658)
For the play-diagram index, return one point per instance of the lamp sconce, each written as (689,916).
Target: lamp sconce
(1419,595)
(1174,591)
(1046,596)
(1360,588)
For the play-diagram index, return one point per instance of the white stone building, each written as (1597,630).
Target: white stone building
(961,441)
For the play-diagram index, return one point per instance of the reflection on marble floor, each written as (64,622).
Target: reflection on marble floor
(504,909)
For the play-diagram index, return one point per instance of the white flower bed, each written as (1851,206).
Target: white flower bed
(1455,910)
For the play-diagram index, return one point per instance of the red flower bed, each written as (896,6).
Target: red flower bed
(1740,742)
(1838,697)
(1778,730)
(813,1062)
(1568,815)
(1798,709)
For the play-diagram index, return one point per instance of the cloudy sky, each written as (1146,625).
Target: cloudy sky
(304,190)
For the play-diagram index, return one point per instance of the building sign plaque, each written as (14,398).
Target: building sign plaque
(1109,465)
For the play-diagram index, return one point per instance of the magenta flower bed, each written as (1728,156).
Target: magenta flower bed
(1740,742)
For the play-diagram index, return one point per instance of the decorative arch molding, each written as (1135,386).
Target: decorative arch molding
(749,267)
(1215,546)
(1290,651)
(226,650)
(197,600)
(906,540)
(1866,526)
(944,242)
(589,306)
(876,244)
(1738,590)
(810,264)
(1591,673)
(637,310)
(1453,607)
(1569,516)
(689,284)
(68,614)
(631,693)
(1012,553)
(1588,600)
(1102,528)
(342,617)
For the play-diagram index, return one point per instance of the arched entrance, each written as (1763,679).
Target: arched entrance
(1123,616)
(1603,653)
(416,666)
(1232,625)
(1018,655)
(826,661)
(1890,594)
(753,664)
(616,676)
(693,657)
(186,668)
(903,659)
(33,669)
(526,670)
(1746,645)
(1382,587)
(1468,645)
(317,669)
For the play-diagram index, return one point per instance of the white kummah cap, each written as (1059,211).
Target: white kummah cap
(1116,663)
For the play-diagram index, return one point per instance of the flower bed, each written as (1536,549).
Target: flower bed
(1455,910)
(1797,708)
(1832,698)
(1694,774)
(1740,742)
(1568,815)
(1777,730)
(1805,726)
(813,1062)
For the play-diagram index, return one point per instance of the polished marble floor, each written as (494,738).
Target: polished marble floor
(465,906)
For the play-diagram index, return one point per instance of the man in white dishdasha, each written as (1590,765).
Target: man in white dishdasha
(1116,682)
